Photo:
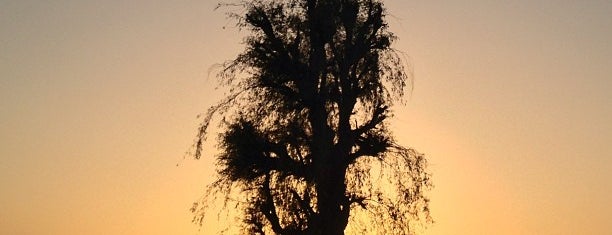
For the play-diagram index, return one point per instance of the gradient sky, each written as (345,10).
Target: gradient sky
(98,103)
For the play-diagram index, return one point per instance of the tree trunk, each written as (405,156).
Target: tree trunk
(333,215)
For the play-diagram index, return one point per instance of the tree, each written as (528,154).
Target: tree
(305,141)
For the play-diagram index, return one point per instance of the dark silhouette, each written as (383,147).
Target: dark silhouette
(305,148)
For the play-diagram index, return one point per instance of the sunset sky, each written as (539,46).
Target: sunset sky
(512,104)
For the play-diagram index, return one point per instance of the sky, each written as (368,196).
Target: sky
(99,103)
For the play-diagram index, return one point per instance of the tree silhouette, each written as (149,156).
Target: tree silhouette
(305,148)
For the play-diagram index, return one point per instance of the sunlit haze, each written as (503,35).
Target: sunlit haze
(99,100)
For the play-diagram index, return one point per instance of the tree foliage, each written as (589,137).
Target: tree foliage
(305,141)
